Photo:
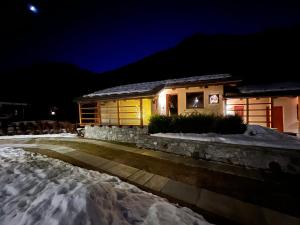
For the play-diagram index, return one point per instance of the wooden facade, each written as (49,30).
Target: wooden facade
(278,112)
(252,110)
(121,112)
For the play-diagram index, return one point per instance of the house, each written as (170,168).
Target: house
(133,104)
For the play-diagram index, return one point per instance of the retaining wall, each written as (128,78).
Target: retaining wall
(287,160)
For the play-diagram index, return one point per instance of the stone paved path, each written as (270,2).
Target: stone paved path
(205,200)
(213,166)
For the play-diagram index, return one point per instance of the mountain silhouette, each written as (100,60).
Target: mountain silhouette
(268,56)
(263,57)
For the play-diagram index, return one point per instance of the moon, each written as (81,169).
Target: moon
(33,9)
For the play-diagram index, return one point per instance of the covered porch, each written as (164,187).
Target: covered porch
(278,112)
(116,112)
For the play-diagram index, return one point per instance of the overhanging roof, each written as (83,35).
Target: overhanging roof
(151,88)
(264,90)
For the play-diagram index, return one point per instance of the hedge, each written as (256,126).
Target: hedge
(197,123)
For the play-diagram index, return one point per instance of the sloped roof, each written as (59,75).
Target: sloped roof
(269,88)
(154,87)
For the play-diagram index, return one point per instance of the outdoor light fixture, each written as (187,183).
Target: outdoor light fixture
(214,99)
(53,111)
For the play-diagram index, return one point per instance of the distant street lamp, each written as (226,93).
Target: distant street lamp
(53,111)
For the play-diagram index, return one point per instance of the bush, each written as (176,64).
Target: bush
(197,123)
(159,124)
(230,125)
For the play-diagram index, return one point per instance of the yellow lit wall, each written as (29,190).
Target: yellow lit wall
(147,110)
(129,112)
(109,112)
(126,112)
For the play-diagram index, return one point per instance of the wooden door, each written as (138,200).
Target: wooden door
(172,105)
(277,118)
(239,110)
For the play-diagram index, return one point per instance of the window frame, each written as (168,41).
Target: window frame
(197,92)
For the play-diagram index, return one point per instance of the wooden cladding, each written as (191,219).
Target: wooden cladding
(252,110)
(89,113)
(131,112)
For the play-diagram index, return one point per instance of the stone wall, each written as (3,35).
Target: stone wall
(115,133)
(241,155)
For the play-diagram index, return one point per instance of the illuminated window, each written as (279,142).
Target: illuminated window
(194,100)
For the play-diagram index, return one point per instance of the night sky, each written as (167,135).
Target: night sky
(104,35)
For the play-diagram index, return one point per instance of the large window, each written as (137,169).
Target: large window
(194,100)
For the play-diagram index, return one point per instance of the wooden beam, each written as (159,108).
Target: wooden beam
(247,110)
(88,107)
(99,112)
(298,114)
(118,110)
(79,108)
(225,105)
(167,105)
(272,106)
(141,111)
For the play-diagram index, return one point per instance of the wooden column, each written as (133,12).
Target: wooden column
(298,111)
(272,106)
(167,105)
(99,112)
(225,106)
(118,112)
(247,110)
(141,112)
(268,116)
(79,108)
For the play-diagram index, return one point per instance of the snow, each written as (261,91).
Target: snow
(128,89)
(61,135)
(152,86)
(274,87)
(37,190)
(255,135)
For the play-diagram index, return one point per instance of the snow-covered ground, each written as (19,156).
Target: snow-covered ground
(254,135)
(36,190)
(68,135)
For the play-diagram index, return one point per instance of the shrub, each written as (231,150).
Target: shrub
(230,125)
(160,124)
(197,123)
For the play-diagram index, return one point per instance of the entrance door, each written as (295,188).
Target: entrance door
(172,105)
(277,118)
(239,110)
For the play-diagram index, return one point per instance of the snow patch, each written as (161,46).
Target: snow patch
(37,190)
(61,135)
(255,135)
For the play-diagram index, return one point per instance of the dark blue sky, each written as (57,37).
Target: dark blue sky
(103,35)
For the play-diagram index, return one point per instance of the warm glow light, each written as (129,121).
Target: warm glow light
(229,110)
(53,113)
(162,102)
